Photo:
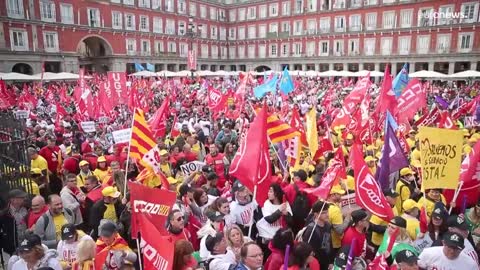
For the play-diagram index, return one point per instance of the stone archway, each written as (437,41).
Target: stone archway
(94,53)
(262,68)
(22,68)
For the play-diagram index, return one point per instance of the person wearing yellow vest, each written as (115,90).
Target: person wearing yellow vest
(109,208)
(371,163)
(335,216)
(431,197)
(410,214)
(406,187)
(411,139)
(377,225)
(84,173)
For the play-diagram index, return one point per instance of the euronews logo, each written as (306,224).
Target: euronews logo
(443,15)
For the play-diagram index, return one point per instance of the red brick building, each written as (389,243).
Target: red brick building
(101,35)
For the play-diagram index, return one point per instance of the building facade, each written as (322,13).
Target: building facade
(320,35)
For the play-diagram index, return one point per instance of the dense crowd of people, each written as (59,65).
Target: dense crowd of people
(77,205)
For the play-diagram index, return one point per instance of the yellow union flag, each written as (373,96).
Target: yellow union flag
(441,157)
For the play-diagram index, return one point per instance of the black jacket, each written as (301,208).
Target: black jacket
(96,215)
(8,232)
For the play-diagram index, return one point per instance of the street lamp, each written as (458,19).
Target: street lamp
(192,33)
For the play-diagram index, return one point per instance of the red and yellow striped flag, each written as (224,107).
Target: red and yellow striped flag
(278,130)
(142,139)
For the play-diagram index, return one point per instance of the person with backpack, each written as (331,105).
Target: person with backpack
(300,201)
(406,188)
(49,225)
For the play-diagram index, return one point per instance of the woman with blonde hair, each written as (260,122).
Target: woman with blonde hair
(85,255)
(236,240)
(182,256)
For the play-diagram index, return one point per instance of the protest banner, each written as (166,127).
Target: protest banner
(118,84)
(192,167)
(22,114)
(441,156)
(88,126)
(471,122)
(122,136)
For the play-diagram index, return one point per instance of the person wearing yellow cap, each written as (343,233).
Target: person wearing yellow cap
(109,208)
(84,173)
(370,150)
(467,148)
(431,197)
(165,166)
(411,211)
(335,216)
(411,138)
(102,169)
(173,184)
(406,187)
(371,163)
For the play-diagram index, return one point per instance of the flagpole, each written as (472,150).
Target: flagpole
(455,195)
(251,219)
(138,252)
(128,157)
(316,222)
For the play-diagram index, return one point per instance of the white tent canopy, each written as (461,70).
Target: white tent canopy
(165,73)
(373,73)
(465,74)
(427,74)
(329,73)
(205,73)
(184,73)
(144,73)
(12,76)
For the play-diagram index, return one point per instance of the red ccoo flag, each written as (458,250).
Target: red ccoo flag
(157,250)
(251,164)
(157,122)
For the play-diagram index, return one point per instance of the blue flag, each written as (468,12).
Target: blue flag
(401,81)
(262,90)
(393,159)
(286,84)
(391,120)
(139,67)
(150,67)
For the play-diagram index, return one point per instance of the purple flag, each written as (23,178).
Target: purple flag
(442,102)
(393,159)
(350,255)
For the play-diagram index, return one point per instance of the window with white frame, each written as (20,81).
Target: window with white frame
(285,49)
(129,21)
(425,17)
(339,4)
(286,26)
(262,50)
(369,2)
(355,22)
(93,17)
(47,11)
(117,20)
(203,12)
(221,15)
(241,52)
(213,32)
(312,5)
(131,46)
(371,21)
(298,6)
(172,47)
(50,41)
(273,10)
(241,14)
(298,27)
(157,25)
(443,43)
(66,13)
(183,49)
(213,13)
(423,44)
(470,12)
(129,2)
(404,45)
(223,33)
(18,40)
(273,50)
(232,52)
(182,6)
(369,46)
(232,15)
(323,48)
(204,32)
(231,33)
(204,51)
(388,20)
(465,42)
(262,31)
(353,47)
(312,27)
(252,13)
(338,47)
(340,24)
(144,3)
(170,27)
(356,3)
(192,11)
(286,8)
(144,23)
(156,4)
(406,18)
(145,49)
(182,28)
(223,52)
(159,47)
(273,28)
(169,6)
(388,1)
(325,25)
(15,9)
(241,33)
(251,51)
(262,11)
(252,31)
(310,48)
(442,18)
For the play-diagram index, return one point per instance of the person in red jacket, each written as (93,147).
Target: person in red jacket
(217,162)
(357,231)
(53,156)
(71,163)
(299,178)
(187,153)
(176,226)
(277,246)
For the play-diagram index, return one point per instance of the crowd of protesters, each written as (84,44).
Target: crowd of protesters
(79,207)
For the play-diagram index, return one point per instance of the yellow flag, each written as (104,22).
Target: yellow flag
(312,134)
(441,157)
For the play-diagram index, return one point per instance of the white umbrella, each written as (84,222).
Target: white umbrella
(330,73)
(144,73)
(165,73)
(346,73)
(184,73)
(373,73)
(465,74)
(13,76)
(426,74)
(222,73)
(311,73)
(205,73)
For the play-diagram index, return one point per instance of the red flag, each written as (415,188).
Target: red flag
(423,220)
(379,263)
(154,204)
(368,193)
(251,164)
(158,121)
(327,182)
(387,100)
(216,100)
(157,250)
(341,158)
(81,83)
(429,119)
(446,121)
(105,96)
(297,123)
(174,132)
(412,99)
(118,82)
